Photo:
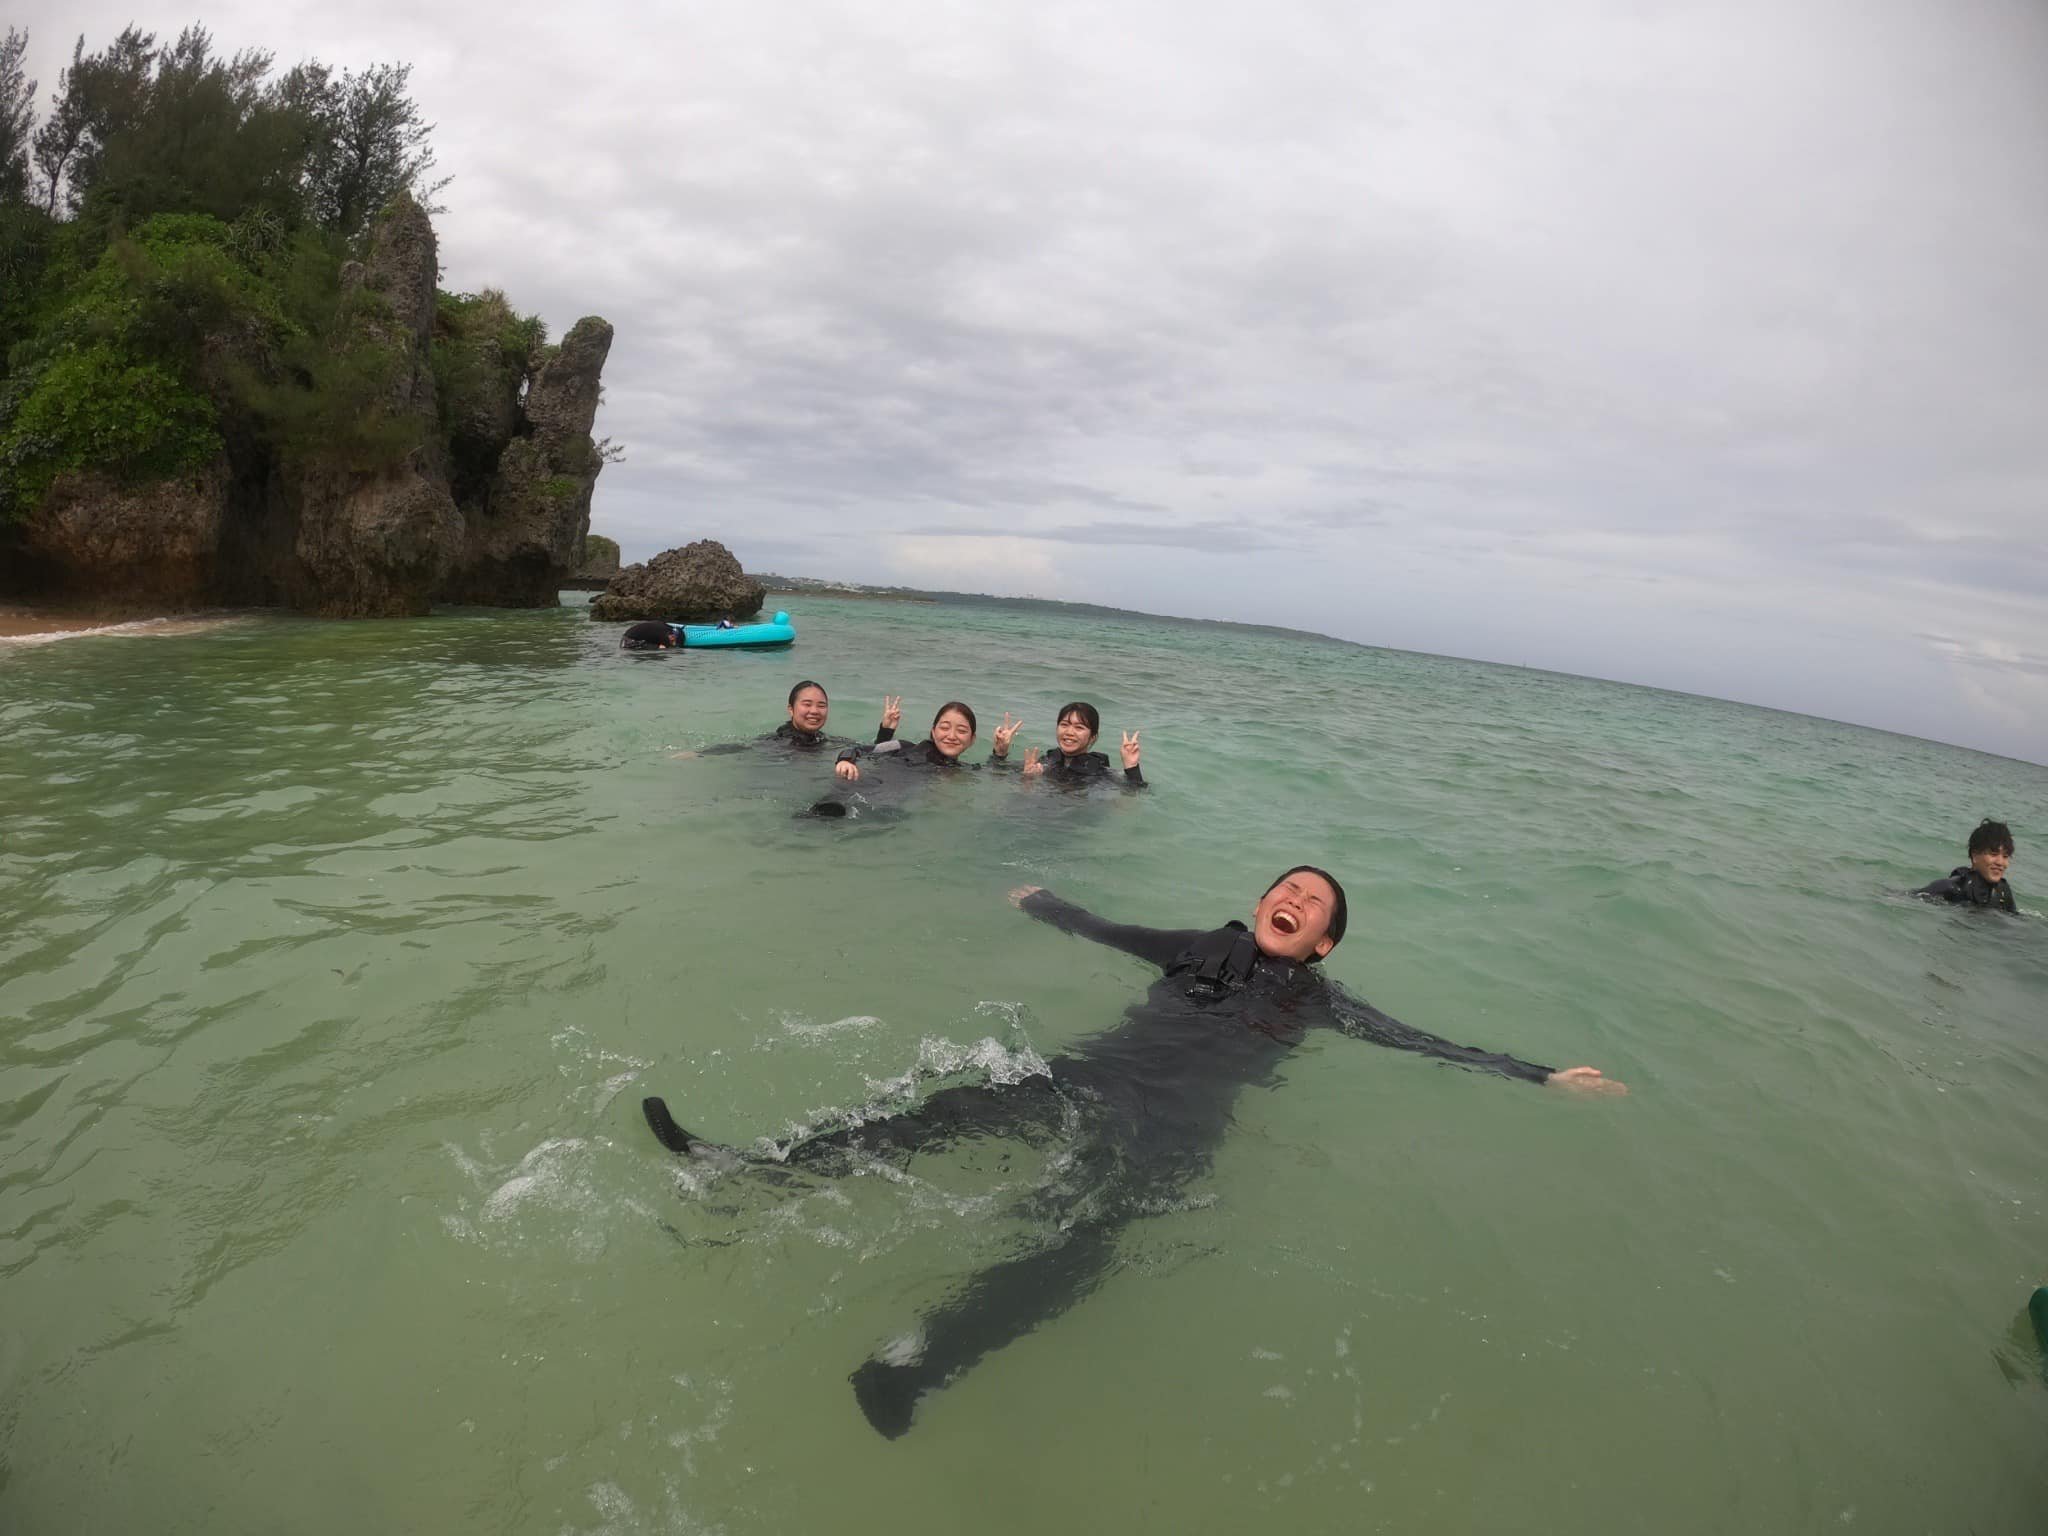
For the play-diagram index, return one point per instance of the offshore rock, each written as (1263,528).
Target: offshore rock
(600,559)
(697,584)
(522,542)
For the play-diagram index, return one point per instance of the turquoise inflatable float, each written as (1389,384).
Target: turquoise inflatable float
(778,631)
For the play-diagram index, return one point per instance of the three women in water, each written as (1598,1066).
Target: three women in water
(953,732)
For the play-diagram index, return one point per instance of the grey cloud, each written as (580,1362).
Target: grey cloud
(1215,536)
(1975,652)
(1527,317)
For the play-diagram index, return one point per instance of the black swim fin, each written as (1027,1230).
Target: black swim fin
(667,1132)
(888,1395)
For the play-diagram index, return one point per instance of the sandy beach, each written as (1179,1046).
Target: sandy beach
(32,625)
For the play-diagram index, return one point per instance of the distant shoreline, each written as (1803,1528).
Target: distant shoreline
(849,592)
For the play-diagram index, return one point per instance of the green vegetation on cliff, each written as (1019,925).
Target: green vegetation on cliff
(174,235)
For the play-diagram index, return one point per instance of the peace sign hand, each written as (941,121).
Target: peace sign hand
(1032,766)
(1004,732)
(892,710)
(1130,749)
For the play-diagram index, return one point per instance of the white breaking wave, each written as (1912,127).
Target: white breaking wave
(158,627)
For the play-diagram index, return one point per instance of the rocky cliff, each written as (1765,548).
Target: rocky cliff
(478,489)
(524,537)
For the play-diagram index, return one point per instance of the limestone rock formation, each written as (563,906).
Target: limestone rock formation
(483,376)
(375,545)
(697,584)
(393,288)
(524,538)
(381,543)
(600,561)
(480,438)
(126,545)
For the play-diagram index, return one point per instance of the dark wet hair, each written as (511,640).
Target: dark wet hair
(972,728)
(1991,837)
(1090,716)
(807,683)
(1339,914)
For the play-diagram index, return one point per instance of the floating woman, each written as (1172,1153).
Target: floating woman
(1139,1109)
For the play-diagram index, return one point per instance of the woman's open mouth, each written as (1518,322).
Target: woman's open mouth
(1286,922)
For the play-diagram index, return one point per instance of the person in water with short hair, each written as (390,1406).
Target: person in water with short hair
(1137,1111)
(804,731)
(1070,761)
(650,635)
(1981,882)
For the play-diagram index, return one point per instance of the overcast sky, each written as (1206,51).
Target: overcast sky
(1701,343)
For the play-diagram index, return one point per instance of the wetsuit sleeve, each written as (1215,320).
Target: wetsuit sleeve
(724,748)
(1135,776)
(1160,946)
(884,733)
(859,750)
(1362,1021)
(1948,888)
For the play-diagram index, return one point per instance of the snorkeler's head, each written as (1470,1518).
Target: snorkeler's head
(808,706)
(953,728)
(1301,916)
(1078,726)
(1991,849)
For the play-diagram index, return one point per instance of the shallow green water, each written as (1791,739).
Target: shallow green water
(337,958)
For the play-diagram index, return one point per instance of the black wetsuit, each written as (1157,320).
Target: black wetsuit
(909,754)
(1965,887)
(788,737)
(1145,1104)
(1076,767)
(650,635)
(923,756)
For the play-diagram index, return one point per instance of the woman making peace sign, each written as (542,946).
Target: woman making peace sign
(1070,762)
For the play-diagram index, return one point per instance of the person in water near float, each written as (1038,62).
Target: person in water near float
(804,731)
(1138,1110)
(1070,761)
(650,635)
(1981,882)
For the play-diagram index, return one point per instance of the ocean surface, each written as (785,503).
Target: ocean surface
(337,958)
